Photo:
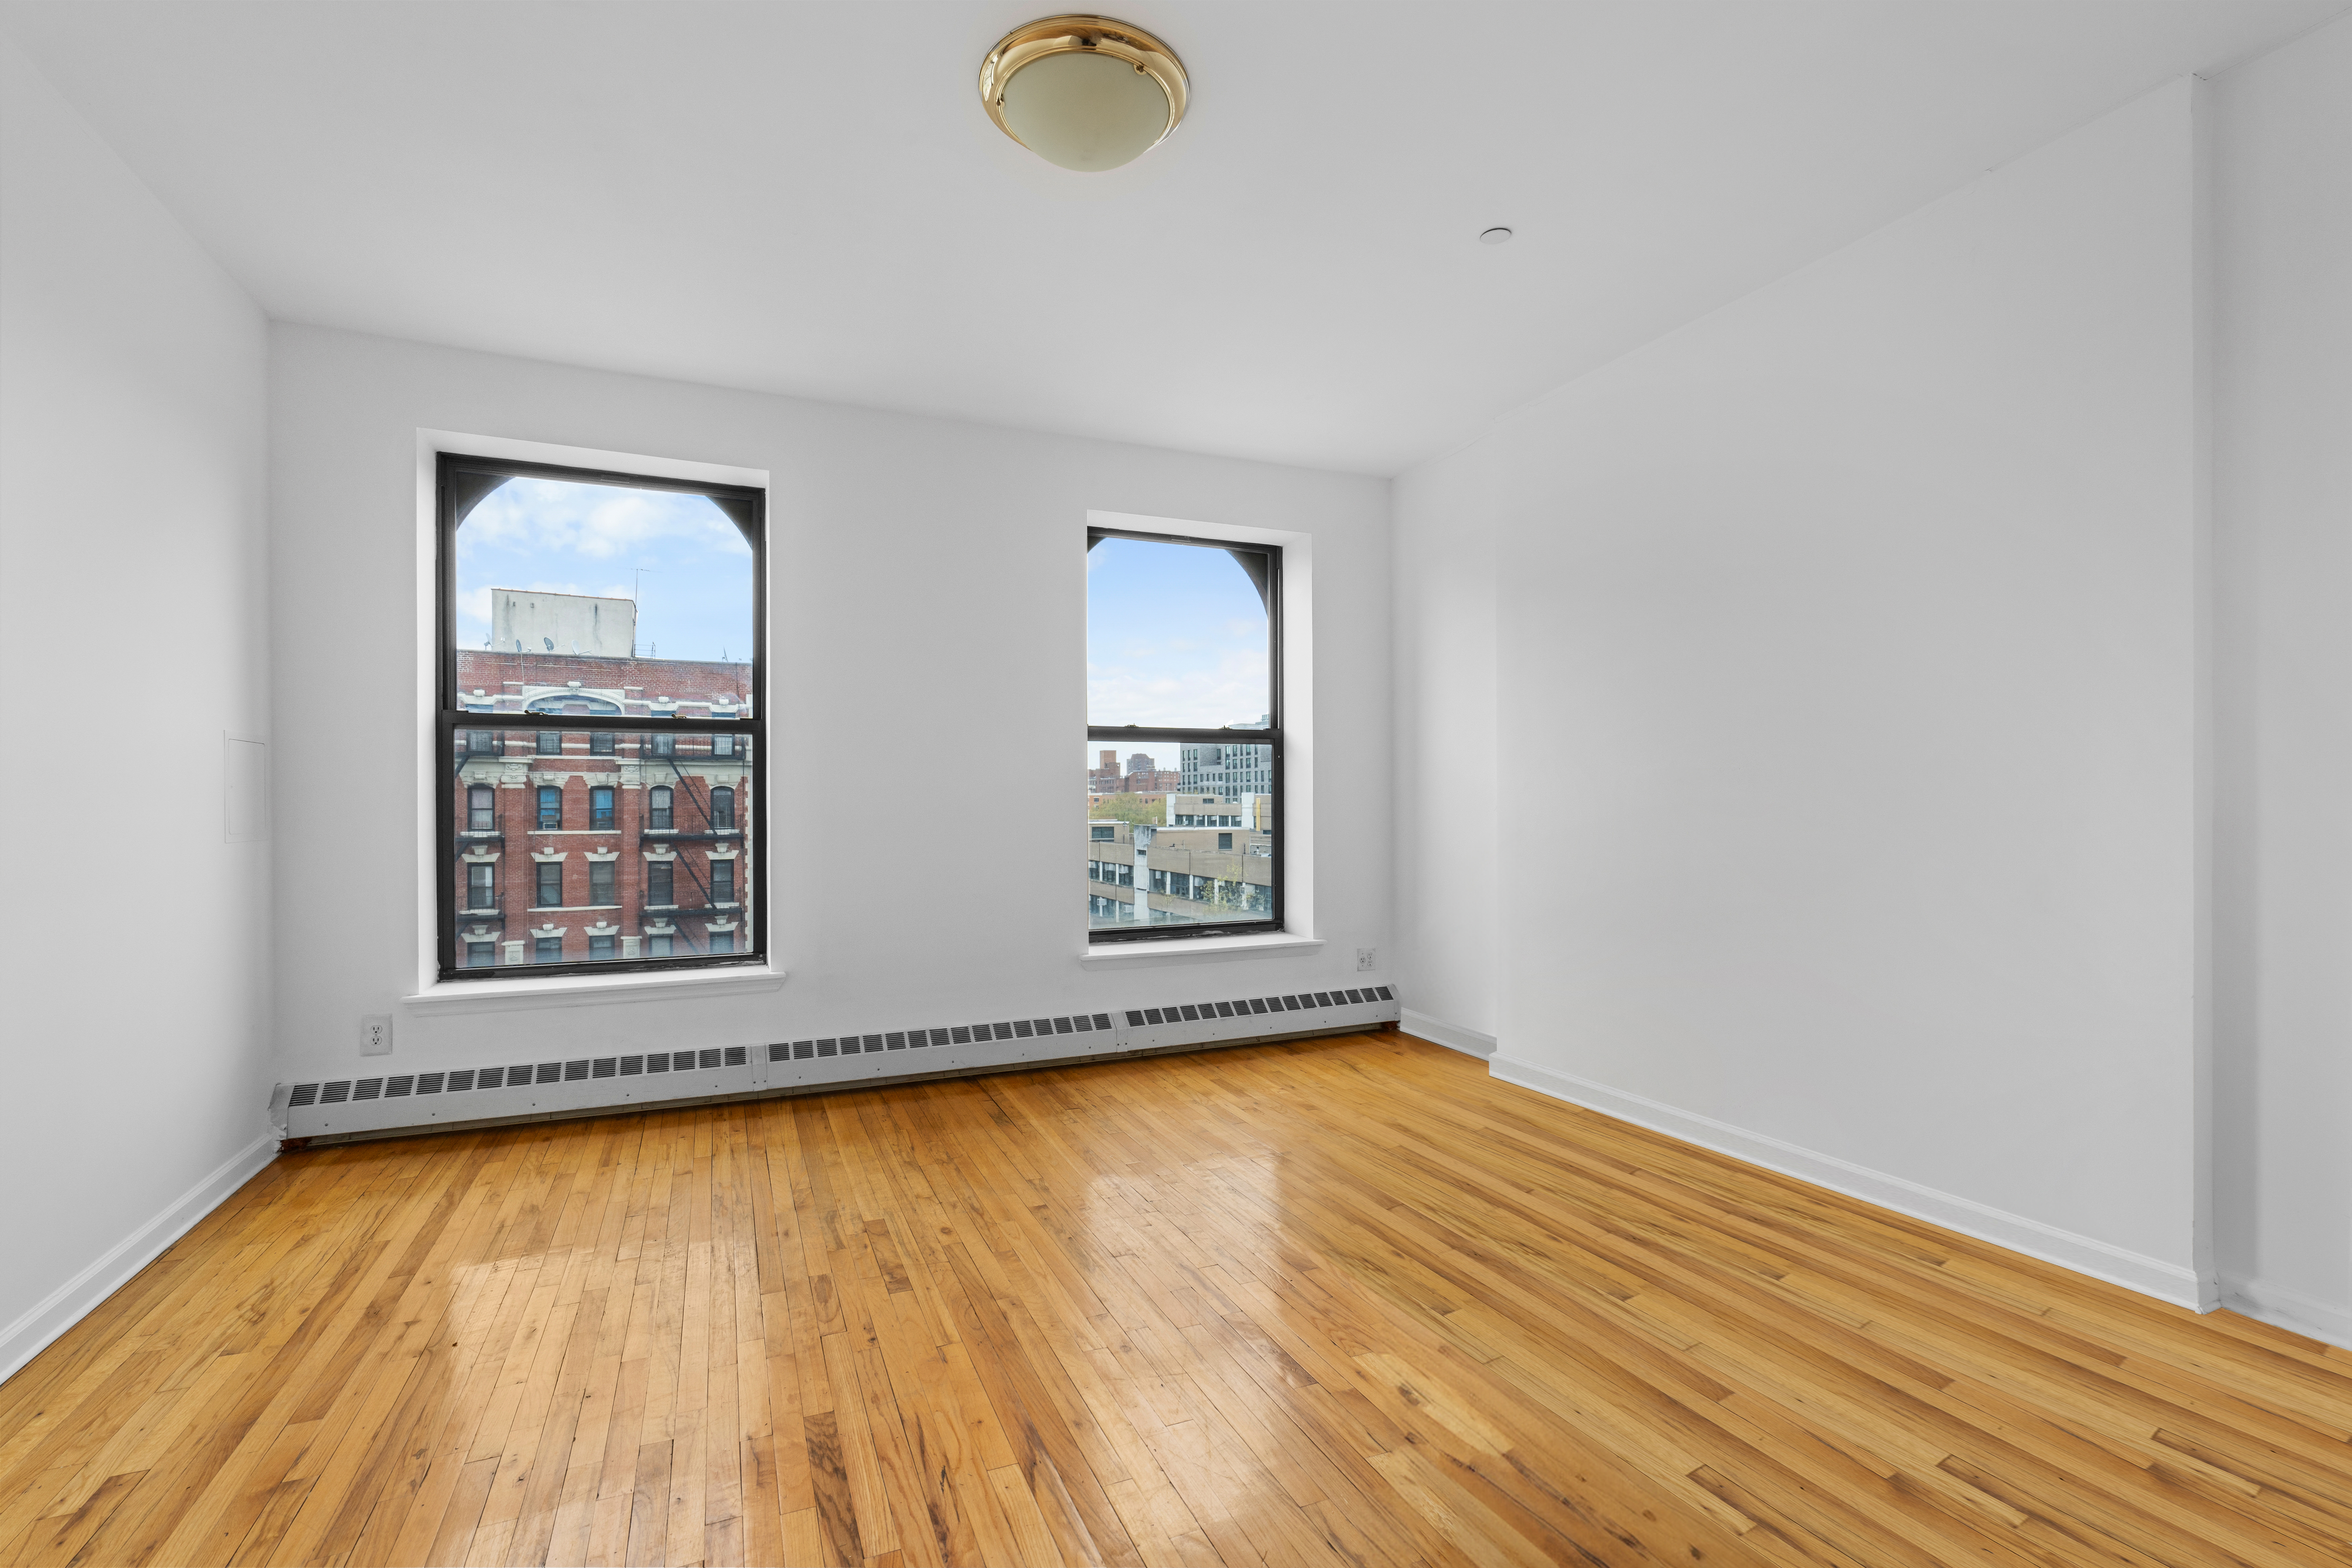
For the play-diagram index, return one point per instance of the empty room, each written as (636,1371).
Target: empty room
(1710,646)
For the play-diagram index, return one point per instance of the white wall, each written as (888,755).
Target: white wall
(1447,935)
(134,949)
(930,601)
(2283,132)
(1848,714)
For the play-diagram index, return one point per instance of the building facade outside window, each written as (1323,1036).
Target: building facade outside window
(1184,682)
(654,751)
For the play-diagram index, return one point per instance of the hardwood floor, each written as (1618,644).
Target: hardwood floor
(1343,1302)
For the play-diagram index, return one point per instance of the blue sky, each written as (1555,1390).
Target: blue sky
(1175,636)
(557,537)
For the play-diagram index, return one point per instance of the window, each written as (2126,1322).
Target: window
(1183,680)
(722,941)
(722,881)
(666,696)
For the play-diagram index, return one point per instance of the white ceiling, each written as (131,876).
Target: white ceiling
(806,197)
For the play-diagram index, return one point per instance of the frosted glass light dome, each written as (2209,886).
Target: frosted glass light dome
(1084,93)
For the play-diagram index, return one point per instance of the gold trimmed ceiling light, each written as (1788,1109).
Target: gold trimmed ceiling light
(1085,92)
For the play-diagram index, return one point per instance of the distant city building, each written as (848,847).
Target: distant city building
(574,845)
(1212,864)
(1140,777)
(527,621)
(1227,769)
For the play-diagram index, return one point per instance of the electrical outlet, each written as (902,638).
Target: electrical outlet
(375,1035)
(1366,957)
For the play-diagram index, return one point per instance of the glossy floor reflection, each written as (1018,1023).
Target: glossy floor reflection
(1345,1303)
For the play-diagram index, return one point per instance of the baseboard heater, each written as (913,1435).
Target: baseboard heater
(420,1100)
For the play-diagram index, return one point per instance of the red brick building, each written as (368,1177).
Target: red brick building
(578,846)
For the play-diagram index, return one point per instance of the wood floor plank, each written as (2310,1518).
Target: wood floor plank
(1339,1303)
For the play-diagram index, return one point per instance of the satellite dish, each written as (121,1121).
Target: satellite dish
(550,642)
(575,650)
(518,645)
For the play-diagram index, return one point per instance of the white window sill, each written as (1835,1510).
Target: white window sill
(588,990)
(1206,950)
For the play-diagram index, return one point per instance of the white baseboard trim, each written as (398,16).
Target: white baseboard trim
(1469,1042)
(67,1305)
(2289,1310)
(2084,1254)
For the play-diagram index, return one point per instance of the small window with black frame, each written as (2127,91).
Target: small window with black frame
(1184,737)
(630,610)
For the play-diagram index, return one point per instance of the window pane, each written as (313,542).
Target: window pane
(1208,855)
(1178,636)
(685,803)
(569,593)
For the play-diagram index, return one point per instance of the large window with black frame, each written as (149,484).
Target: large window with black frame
(602,660)
(1184,737)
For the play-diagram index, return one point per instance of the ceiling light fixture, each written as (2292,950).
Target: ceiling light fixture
(1494,237)
(1085,92)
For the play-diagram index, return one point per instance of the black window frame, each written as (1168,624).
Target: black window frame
(462,480)
(1127,737)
